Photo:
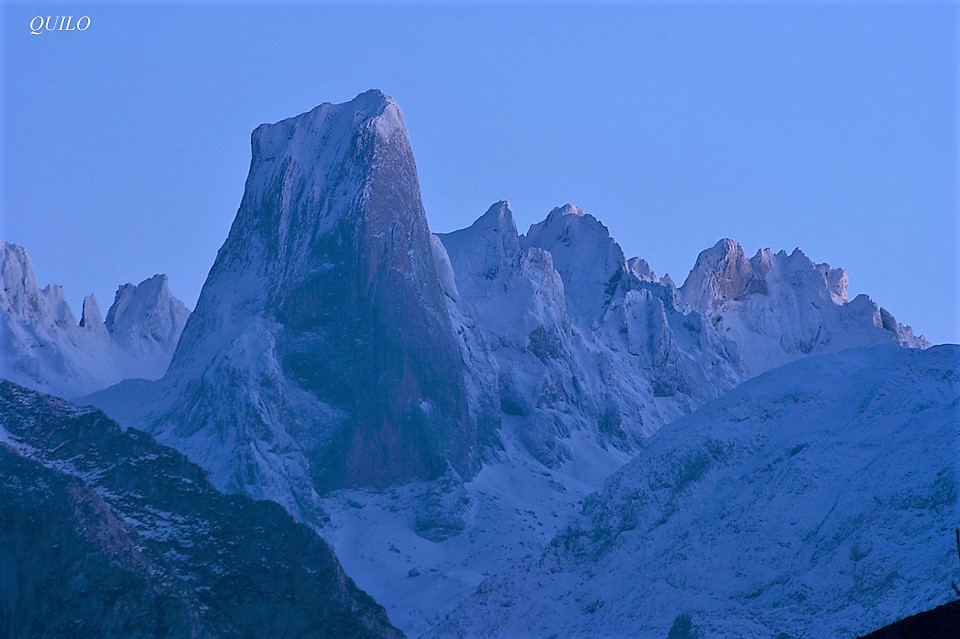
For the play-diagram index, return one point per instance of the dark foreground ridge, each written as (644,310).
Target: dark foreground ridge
(108,534)
(942,622)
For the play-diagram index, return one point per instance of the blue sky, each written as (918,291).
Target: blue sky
(832,127)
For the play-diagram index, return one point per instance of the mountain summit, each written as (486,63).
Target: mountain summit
(321,353)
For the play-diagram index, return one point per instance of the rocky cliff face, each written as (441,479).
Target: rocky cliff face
(107,534)
(46,349)
(778,307)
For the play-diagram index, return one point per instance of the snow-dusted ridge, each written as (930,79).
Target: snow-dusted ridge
(816,500)
(778,307)
(45,348)
(580,340)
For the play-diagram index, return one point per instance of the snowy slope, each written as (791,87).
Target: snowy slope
(421,548)
(778,307)
(45,348)
(816,500)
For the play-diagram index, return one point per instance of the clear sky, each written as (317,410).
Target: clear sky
(832,127)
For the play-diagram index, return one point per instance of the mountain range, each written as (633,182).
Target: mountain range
(443,408)
(46,349)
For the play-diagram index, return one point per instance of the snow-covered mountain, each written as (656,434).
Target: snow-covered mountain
(108,534)
(778,307)
(581,341)
(435,405)
(336,343)
(321,353)
(816,500)
(45,348)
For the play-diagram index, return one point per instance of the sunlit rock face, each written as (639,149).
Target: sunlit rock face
(778,307)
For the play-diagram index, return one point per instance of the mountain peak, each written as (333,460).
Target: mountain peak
(720,274)
(90,316)
(837,282)
(146,319)
(725,250)
(19,293)
(310,172)
(498,218)
(568,220)
(485,252)
(320,127)
(327,284)
(374,97)
(642,269)
(587,258)
(13,255)
(490,246)
(134,301)
(568,209)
